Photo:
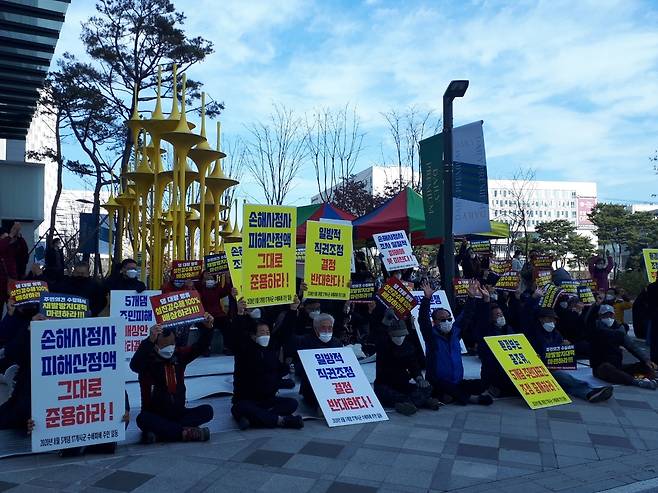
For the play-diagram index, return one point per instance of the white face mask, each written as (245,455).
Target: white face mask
(398,340)
(608,322)
(445,326)
(255,313)
(131,273)
(314,314)
(609,297)
(563,304)
(472,255)
(500,322)
(167,352)
(548,326)
(263,340)
(325,336)
(211,283)
(494,296)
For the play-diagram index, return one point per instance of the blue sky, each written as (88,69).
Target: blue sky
(567,88)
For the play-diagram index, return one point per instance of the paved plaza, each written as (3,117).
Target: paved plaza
(508,448)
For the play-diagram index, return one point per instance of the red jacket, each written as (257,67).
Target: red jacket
(210,297)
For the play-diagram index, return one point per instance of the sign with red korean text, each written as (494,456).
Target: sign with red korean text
(561,357)
(585,206)
(183,270)
(500,266)
(543,262)
(342,389)
(395,295)
(177,309)
(527,371)
(78,382)
(543,277)
(134,316)
(26,292)
(328,260)
(269,249)
(396,250)
(460,287)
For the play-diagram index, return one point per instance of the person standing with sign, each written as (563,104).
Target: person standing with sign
(445,370)
(211,292)
(161,366)
(258,374)
(125,278)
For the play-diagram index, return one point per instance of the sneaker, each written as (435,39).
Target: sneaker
(196,434)
(243,423)
(644,383)
(432,403)
(295,422)
(148,438)
(406,408)
(600,394)
(485,400)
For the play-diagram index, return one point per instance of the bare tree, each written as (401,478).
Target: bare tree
(276,152)
(233,166)
(333,141)
(516,215)
(407,129)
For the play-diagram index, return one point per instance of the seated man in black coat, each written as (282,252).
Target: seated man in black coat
(161,365)
(397,364)
(257,375)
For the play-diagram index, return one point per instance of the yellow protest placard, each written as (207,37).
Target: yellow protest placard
(527,371)
(328,260)
(268,254)
(651,263)
(234,257)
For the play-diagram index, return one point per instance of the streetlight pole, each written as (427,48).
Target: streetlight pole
(456,89)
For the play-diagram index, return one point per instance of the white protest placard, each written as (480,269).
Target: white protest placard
(78,390)
(396,250)
(135,316)
(439,300)
(342,389)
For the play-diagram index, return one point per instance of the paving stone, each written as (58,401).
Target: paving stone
(562,449)
(477,451)
(410,477)
(268,458)
(289,484)
(519,444)
(565,415)
(123,480)
(474,469)
(340,487)
(610,441)
(520,457)
(480,439)
(633,403)
(322,449)
(375,457)
(363,470)
(4,485)
(434,446)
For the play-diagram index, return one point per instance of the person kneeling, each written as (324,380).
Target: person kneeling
(160,365)
(257,377)
(397,363)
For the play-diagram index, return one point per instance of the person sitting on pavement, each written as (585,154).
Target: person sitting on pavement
(572,324)
(160,365)
(539,327)
(397,363)
(607,341)
(258,372)
(445,370)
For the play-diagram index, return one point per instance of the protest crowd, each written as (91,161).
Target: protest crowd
(398,317)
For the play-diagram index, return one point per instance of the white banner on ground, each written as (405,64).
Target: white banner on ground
(77,382)
(135,316)
(341,387)
(439,300)
(396,250)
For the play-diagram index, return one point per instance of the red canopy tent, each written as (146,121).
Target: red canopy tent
(315,212)
(404,211)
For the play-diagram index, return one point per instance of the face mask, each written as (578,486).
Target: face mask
(263,340)
(131,273)
(563,304)
(609,297)
(255,313)
(472,255)
(500,322)
(178,284)
(325,336)
(398,340)
(548,326)
(600,266)
(608,322)
(210,283)
(167,352)
(445,326)
(494,296)
(314,314)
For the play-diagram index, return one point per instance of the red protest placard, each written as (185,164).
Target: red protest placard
(461,288)
(395,295)
(509,281)
(24,292)
(177,308)
(182,270)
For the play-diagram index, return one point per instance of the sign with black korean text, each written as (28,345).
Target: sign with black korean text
(395,295)
(396,250)
(177,309)
(58,305)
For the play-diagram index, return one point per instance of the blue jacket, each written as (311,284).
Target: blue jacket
(444,358)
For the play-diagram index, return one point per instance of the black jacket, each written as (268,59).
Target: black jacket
(85,287)
(397,364)
(606,344)
(310,341)
(119,282)
(154,372)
